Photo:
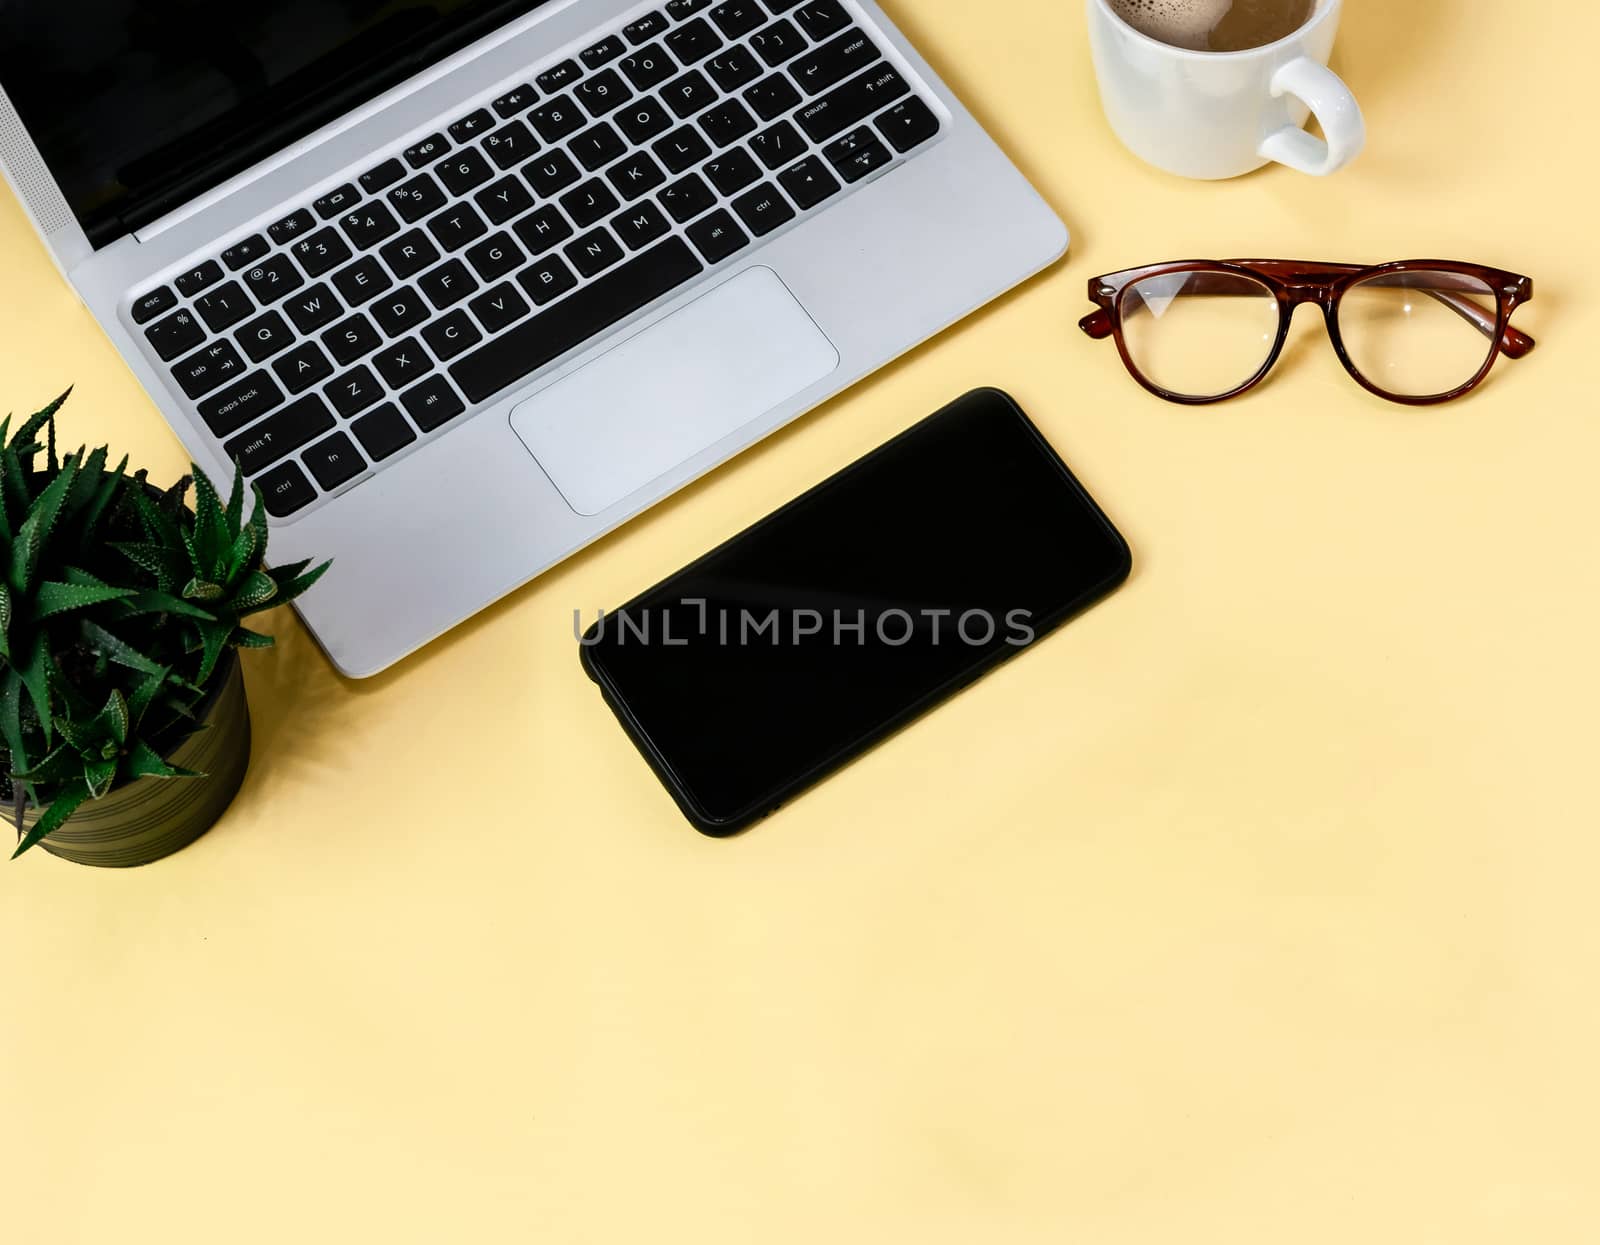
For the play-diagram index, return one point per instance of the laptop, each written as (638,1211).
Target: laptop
(463,285)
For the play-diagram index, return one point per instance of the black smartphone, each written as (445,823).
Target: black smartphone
(784,654)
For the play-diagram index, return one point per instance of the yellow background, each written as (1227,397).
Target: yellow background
(1257,906)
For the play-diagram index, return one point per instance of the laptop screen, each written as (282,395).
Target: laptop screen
(139,105)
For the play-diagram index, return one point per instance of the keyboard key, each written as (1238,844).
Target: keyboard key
(778,42)
(383,432)
(207,368)
(589,202)
(594,252)
(733,68)
(856,154)
(427,151)
(321,252)
(148,306)
(558,76)
(777,145)
(587,312)
(291,227)
(556,119)
(494,257)
(362,281)
(727,123)
(680,9)
(303,367)
(643,119)
(410,253)
(686,199)
(465,171)
(781,6)
(598,146)
(763,209)
(738,17)
(645,29)
(369,225)
(635,176)
(264,336)
(732,171)
(552,173)
(517,100)
(311,309)
(693,41)
(336,201)
(449,336)
(196,279)
(834,61)
(908,124)
(401,312)
(177,333)
(689,94)
(432,403)
(510,145)
(822,19)
(382,177)
(334,461)
(264,443)
(543,229)
(472,125)
(499,307)
(285,489)
(448,284)
(682,149)
(245,252)
(505,199)
(604,52)
(648,67)
(273,278)
(717,236)
(773,97)
(851,103)
(640,225)
(548,279)
(809,183)
(456,226)
(224,306)
(604,93)
(417,198)
(241,403)
(355,391)
(402,363)
(348,340)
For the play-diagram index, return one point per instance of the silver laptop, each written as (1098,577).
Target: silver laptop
(465,284)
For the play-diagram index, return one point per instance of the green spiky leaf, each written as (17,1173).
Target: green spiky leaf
(35,530)
(65,803)
(144,762)
(57,598)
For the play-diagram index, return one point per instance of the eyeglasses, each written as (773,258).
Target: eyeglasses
(1417,332)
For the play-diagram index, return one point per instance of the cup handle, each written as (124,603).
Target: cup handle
(1334,107)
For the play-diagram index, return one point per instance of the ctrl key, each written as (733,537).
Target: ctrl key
(285,489)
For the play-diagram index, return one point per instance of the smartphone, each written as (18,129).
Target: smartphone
(790,650)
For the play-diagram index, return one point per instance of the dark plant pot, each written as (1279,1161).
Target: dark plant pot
(153,817)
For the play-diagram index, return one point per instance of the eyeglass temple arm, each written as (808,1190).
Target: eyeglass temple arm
(1514,342)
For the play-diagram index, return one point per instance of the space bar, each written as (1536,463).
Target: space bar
(575,319)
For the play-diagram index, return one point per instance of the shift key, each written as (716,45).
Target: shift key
(851,103)
(269,440)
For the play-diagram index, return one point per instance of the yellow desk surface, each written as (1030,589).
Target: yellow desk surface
(1256,906)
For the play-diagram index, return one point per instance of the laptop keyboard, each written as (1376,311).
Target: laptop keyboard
(371,318)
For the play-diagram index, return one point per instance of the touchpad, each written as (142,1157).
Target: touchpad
(681,385)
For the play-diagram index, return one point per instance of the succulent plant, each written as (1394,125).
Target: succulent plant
(117,603)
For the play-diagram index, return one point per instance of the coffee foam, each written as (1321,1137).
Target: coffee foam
(1184,23)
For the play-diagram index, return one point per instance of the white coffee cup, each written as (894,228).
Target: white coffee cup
(1222,114)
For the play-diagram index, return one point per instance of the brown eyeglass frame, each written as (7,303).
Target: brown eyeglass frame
(1294,282)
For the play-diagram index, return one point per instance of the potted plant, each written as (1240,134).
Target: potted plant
(124,731)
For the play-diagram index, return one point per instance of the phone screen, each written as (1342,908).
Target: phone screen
(802,641)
